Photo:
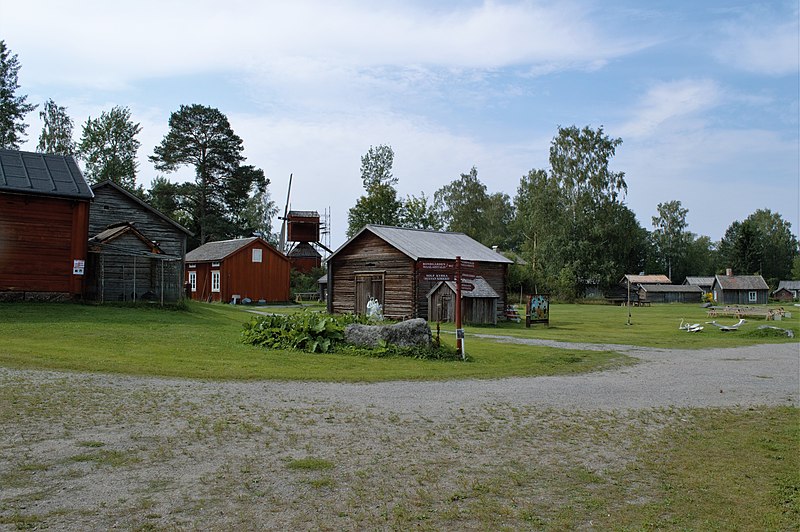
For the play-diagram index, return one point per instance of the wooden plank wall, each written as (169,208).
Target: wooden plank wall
(267,280)
(405,295)
(111,206)
(39,239)
(370,254)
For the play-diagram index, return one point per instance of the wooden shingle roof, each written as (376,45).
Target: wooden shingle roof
(25,172)
(646,279)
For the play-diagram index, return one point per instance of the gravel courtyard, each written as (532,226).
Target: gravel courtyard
(89,451)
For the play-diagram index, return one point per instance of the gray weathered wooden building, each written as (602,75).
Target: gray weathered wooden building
(135,251)
(478,306)
(383,262)
(730,289)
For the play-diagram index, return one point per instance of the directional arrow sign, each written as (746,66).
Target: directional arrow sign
(468,276)
(467,265)
(467,287)
(430,265)
(430,276)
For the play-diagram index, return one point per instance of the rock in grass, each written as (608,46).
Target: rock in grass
(407,333)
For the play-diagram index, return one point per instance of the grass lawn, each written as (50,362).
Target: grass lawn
(204,342)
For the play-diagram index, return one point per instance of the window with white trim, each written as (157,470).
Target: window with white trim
(215,281)
(193,281)
(752,296)
(257,254)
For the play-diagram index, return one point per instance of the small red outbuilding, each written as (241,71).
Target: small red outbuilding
(238,269)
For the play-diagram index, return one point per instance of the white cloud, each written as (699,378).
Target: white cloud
(671,104)
(762,42)
(104,44)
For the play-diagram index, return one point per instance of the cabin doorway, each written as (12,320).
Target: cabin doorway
(368,285)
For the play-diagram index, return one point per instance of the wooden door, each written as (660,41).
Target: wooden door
(368,285)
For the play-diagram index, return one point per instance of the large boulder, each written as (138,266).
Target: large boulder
(407,333)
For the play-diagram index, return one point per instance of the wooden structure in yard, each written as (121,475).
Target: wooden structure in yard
(704,283)
(135,251)
(730,289)
(668,293)
(787,291)
(44,217)
(231,270)
(303,227)
(479,305)
(384,262)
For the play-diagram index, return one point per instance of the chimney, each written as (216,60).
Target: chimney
(729,272)
(494,248)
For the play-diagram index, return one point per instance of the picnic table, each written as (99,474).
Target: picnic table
(747,312)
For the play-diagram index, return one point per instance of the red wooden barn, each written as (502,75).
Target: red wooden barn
(238,269)
(44,221)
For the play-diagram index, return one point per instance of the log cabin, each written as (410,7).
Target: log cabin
(384,262)
(44,218)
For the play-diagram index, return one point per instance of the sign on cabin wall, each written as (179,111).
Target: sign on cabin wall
(538,309)
(78,267)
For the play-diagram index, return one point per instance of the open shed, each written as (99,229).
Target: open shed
(135,251)
(478,306)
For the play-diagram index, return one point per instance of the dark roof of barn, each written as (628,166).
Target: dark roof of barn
(304,250)
(482,289)
(789,285)
(671,288)
(424,244)
(303,214)
(699,281)
(42,174)
(742,282)
(142,204)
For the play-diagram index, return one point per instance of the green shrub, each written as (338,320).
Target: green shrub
(314,332)
(303,331)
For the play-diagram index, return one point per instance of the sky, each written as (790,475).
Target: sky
(704,95)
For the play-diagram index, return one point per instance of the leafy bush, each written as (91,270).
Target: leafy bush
(303,331)
(321,333)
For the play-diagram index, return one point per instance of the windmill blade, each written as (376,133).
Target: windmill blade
(282,242)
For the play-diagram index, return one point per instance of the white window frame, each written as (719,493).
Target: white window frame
(258,255)
(215,281)
(752,296)
(193,280)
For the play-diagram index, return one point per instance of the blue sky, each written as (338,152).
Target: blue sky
(703,94)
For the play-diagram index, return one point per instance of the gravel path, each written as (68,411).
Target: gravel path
(96,451)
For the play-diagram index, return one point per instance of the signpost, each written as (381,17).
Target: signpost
(430,270)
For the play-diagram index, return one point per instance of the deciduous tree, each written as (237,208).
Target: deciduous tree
(56,136)
(108,147)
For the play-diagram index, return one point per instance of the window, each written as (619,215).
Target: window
(752,296)
(215,281)
(257,254)
(193,280)
(215,264)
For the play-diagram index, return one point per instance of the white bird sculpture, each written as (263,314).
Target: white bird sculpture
(726,328)
(690,327)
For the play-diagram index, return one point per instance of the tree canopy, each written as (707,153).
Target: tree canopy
(226,199)
(56,136)
(108,146)
(13,107)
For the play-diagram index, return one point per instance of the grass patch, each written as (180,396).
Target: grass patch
(205,343)
(310,464)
